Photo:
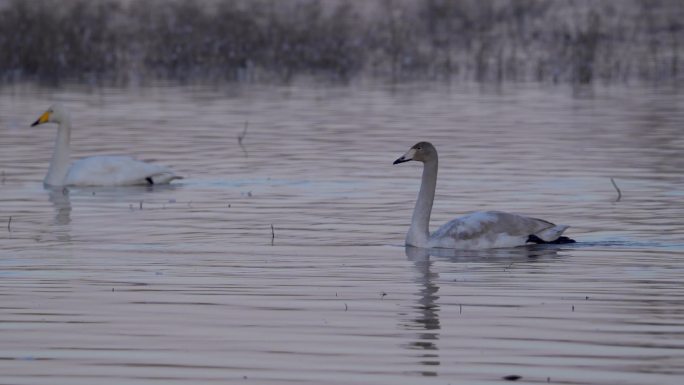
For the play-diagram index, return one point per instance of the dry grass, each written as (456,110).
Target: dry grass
(579,41)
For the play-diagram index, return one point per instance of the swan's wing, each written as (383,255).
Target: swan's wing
(116,171)
(489,229)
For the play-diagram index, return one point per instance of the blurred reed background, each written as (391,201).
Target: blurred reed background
(119,41)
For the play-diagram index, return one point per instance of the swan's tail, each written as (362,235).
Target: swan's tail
(551,235)
(559,241)
(163,178)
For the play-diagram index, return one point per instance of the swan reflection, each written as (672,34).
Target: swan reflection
(425,318)
(61,203)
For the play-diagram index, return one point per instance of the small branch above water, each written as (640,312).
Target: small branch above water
(241,136)
(616,189)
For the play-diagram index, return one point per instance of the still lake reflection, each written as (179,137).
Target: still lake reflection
(189,283)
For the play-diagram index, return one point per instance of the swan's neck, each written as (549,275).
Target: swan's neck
(59,165)
(419,232)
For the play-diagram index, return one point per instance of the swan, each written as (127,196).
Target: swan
(479,230)
(110,170)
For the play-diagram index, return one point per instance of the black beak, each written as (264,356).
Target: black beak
(37,122)
(401,160)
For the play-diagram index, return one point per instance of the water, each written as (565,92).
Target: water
(189,283)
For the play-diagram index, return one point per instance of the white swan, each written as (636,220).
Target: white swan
(479,230)
(95,170)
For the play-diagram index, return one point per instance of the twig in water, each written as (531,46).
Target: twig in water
(9,224)
(617,189)
(272,234)
(140,205)
(241,136)
(345,306)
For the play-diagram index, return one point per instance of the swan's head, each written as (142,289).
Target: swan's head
(55,114)
(422,152)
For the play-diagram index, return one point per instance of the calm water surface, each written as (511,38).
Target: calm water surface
(187,284)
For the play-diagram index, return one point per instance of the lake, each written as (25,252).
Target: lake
(279,259)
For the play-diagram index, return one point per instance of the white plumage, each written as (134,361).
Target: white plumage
(96,170)
(113,170)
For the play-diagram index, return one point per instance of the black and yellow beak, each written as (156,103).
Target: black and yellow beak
(43,119)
